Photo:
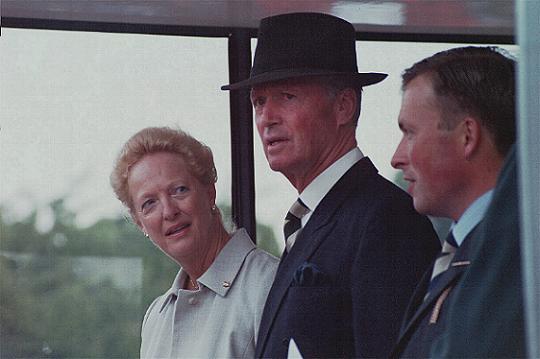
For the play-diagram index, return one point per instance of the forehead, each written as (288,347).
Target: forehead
(420,91)
(419,103)
(419,96)
(154,167)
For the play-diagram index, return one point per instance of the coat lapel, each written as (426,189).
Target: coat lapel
(458,265)
(318,228)
(448,278)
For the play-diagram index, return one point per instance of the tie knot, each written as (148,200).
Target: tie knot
(442,263)
(293,223)
(450,244)
(298,210)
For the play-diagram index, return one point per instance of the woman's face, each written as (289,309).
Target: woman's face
(171,206)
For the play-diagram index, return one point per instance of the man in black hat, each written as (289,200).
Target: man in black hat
(355,247)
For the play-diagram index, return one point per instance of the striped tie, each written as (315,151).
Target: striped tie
(293,223)
(443,260)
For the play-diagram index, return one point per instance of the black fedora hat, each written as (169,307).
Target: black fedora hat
(305,44)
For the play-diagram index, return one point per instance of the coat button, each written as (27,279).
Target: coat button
(226,284)
(285,342)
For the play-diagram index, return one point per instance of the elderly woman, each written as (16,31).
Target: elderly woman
(166,179)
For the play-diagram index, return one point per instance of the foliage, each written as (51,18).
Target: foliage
(78,292)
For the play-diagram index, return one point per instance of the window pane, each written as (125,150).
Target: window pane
(75,276)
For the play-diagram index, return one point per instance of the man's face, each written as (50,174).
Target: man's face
(428,154)
(296,121)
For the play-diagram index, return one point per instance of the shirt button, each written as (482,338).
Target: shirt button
(192,301)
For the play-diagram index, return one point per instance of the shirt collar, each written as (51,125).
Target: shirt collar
(171,293)
(220,277)
(313,194)
(471,217)
(222,273)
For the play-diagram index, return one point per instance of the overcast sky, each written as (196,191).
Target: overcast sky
(69,100)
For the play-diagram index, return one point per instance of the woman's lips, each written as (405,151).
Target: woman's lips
(177,229)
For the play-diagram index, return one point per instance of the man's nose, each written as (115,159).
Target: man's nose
(269,114)
(399,158)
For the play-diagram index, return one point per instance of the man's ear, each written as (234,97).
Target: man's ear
(211,191)
(346,103)
(471,135)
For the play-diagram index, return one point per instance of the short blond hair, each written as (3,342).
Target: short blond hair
(197,156)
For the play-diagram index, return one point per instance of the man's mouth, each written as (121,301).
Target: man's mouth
(275,142)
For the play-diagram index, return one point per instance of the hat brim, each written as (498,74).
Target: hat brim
(360,79)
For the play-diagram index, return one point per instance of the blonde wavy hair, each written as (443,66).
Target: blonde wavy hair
(197,156)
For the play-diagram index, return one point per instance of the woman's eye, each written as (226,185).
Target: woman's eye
(148,206)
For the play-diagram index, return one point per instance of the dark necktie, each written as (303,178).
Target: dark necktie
(293,223)
(442,263)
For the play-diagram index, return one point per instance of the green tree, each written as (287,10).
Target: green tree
(62,294)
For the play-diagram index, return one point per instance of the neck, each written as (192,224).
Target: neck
(482,178)
(304,177)
(202,261)
(191,284)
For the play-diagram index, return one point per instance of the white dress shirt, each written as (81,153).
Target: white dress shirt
(313,194)
(221,319)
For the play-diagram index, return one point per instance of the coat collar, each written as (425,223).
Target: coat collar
(459,264)
(221,275)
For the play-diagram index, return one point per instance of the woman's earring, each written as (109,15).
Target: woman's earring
(214,208)
(146,234)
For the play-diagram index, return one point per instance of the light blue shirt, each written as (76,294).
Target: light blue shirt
(471,217)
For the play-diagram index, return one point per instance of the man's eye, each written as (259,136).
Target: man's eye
(180,190)
(257,102)
(288,96)
(406,132)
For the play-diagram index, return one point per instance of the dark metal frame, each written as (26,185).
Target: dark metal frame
(242,162)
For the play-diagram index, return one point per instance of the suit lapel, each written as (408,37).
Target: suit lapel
(459,264)
(318,228)
(446,280)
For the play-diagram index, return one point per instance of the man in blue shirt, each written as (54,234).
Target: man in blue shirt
(458,123)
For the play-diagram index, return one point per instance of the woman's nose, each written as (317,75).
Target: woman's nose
(170,208)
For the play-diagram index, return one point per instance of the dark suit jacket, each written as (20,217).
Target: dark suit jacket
(486,314)
(343,288)
(425,319)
